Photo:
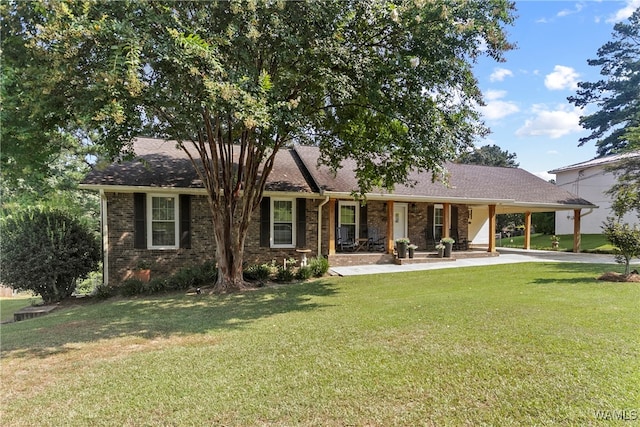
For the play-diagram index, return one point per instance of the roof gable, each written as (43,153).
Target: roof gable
(161,164)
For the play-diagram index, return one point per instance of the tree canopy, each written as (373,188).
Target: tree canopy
(389,85)
(489,155)
(615,126)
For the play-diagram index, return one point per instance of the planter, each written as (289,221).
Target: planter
(402,249)
(441,253)
(447,249)
(142,275)
(411,252)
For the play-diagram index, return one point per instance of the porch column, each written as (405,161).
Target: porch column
(492,228)
(332,226)
(389,226)
(446,209)
(576,230)
(527,230)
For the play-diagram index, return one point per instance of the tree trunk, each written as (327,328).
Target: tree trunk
(230,233)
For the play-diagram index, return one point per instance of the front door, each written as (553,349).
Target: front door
(400,220)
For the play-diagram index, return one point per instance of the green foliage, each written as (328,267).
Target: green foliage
(319,266)
(489,155)
(46,251)
(626,239)
(258,272)
(617,93)
(131,287)
(544,222)
(626,191)
(304,273)
(360,79)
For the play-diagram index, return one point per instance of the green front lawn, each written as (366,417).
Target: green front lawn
(521,344)
(596,243)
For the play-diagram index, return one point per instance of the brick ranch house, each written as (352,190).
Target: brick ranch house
(154,209)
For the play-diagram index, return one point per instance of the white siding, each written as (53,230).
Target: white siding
(591,184)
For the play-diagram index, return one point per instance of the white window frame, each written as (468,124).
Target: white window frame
(435,224)
(293,222)
(342,203)
(176,221)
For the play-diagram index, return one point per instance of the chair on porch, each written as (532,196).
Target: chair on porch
(460,244)
(431,240)
(345,241)
(376,242)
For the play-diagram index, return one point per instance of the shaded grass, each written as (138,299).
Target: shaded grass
(521,344)
(595,243)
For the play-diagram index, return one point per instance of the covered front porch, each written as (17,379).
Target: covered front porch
(355,232)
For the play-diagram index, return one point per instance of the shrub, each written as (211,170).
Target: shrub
(103,291)
(46,250)
(626,239)
(258,272)
(319,266)
(285,274)
(131,287)
(304,273)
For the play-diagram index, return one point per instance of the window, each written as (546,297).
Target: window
(348,220)
(438,223)
(282,223)
(162,212)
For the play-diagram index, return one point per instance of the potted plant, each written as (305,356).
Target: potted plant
(412,249)
(555,242)
(448,245)
(440,249)
(402,245)
(142,271)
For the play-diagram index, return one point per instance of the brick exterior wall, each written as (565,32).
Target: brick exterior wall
(123,257)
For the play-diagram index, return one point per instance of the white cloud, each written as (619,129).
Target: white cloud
(495,107)
(566,12)
(552,152)
(562,78)
(551,123)
(499,74)
(625,12)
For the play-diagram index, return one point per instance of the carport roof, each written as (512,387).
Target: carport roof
(468,184)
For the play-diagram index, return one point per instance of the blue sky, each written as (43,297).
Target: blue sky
(526,96)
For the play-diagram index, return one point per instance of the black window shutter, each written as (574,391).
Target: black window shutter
(430,213)
(301,223)
(454,218)
(185,221)
(139,221)
(265,221)
(364,229)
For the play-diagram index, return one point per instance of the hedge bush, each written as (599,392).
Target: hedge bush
(46,250)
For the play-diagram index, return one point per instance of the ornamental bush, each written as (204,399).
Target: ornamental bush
(626,239)
(46,250)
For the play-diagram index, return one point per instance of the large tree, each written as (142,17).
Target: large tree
(233,82)
(489,155)
(616,123)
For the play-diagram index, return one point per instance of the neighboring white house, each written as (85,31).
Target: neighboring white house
(590,181)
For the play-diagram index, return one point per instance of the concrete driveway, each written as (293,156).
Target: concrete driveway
(507,256)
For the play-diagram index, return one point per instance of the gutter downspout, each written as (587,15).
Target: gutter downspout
(105,237)
(585,214)
(326,200)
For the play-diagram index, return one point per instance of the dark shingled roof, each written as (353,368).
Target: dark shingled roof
(465,183)
(160,164)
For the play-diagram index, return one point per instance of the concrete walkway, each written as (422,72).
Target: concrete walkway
(507,256)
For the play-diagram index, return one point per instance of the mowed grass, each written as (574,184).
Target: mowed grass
(596,243)
(521,344)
